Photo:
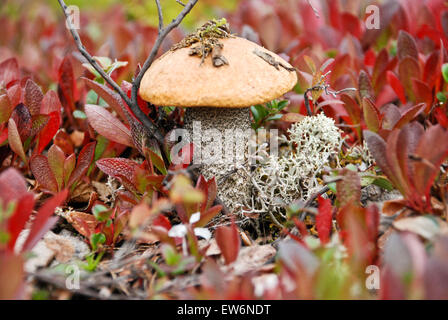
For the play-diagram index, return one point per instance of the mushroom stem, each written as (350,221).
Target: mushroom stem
(223,137)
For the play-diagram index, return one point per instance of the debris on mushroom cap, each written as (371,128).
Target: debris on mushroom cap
(253,75)
(208,36)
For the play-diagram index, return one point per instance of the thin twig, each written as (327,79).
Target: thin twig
(91,60)
(162,35)
(133,103)
(159,12)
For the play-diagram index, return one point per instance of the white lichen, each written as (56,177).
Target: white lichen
(292,175)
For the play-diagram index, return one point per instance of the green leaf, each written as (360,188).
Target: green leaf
(282,105)
(172,258)
(101,213)
(97,239)
(383,183)
(445,72)
(441,97)
(275,117)
(78,114)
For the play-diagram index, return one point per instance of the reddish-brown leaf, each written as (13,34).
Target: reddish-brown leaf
(62,140)
(115,167)
(229,242)
(33,97)
(371,115)
(433,150)
(16,223)
(408,69)
(410,115)
(43,221)
(324,220)
(349,188)
(48,132)
(42,172)
(11,275)
(107,125)
(12,185)
(22,118)
(208,215)
(50,103)
(406,46)
(84,160)
(9,72)
(423,93)
(396,86)
(15,143)
(67,84)
(112,98)
(5,108)
(39,121)
(56,159)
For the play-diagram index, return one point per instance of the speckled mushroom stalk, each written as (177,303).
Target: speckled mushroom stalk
(224,139)
(220,99)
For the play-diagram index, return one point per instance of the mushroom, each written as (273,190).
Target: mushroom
(219,96)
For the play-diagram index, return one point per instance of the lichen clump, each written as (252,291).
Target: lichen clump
(292,175)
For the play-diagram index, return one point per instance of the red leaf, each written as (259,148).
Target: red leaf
(441,117)
(422,93)
(162,222)
(22,118)
(67,85)
(365,85)
(351,24)
(13,185)
(406,46)
(349,188)
(50,103)
(229,242)
(115,167)
(433,149)
(107,125)
(11,275)
(408,69)
(372,222)
(9,72)
(112,98)
(48,132)
(42,172)
(396,85)
(84,160)
(15,94)
(324,220)
(409,115)
(16,223)
(62,140)
(33,97)
(5,108)
(210,189)
(43,223)
(433,69)
(208,215)
(56,160)
(38,123)
(15,143)
(127,87)
(371,115)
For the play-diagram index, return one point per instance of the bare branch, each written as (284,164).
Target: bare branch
(162,35)
(133,103)
(181,3)
(91,60)
(159,12)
